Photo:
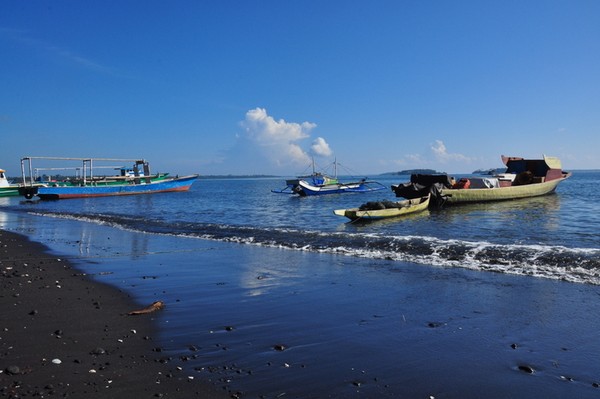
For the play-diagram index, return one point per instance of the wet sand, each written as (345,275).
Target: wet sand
(62,335)
(271,323)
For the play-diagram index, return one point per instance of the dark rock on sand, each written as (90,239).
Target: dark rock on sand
(98,351)
(13,370)
(435,324)
(526,368)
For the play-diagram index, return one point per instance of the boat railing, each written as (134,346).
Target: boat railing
(86,169)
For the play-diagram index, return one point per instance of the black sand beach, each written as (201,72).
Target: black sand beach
(350,327)
(62,335)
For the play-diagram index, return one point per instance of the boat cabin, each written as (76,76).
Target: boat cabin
(541,170)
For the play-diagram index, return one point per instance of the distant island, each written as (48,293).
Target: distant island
(492,171)
(236,176)
(414,172)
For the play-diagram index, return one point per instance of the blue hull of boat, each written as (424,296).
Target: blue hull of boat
(169,185)
(339,190)
(304,188)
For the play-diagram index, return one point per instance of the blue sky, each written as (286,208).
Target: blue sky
(260,87)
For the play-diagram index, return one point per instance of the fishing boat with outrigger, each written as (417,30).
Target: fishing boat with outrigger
(318,183)
(385,209)
(524,178)
(131,181)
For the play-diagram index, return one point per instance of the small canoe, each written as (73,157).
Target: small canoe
(385,209)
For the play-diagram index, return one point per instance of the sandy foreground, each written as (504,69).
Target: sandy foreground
(62,335)
(351,328)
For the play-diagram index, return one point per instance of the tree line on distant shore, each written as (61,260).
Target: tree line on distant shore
(414,172)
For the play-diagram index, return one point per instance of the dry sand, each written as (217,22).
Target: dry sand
(63,335)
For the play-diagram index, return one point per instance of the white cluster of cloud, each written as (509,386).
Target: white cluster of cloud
(320,147)
(280,141)
(442,155)
(437,157)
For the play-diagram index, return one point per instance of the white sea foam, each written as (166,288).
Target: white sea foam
(581,265)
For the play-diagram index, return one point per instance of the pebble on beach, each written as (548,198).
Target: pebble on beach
(526,368)
(13,370)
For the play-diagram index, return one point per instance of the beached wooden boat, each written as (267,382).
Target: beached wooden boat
(140,182)
(319,183)
(385,209)
(523,178)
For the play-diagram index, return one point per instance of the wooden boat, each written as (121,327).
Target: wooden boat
(385,209)
(319,183)
(162,186)
(523,178)
(141,182)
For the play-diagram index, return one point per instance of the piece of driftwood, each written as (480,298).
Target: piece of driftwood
(149,309)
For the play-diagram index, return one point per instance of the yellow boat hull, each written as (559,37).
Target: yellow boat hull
(460,196)
(403,208)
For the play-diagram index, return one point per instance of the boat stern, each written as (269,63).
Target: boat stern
(28,191)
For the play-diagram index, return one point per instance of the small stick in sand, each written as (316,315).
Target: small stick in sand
(152,308)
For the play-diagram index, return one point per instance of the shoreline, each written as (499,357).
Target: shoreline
(268,322)
(64,335)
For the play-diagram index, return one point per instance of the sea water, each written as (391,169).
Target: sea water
(273,295)
(555,236)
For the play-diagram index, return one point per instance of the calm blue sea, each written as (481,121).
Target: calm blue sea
(555,236)
(449,303)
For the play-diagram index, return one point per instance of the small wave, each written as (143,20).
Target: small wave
(580,265)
